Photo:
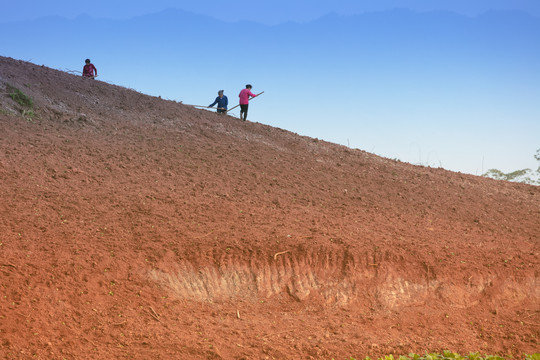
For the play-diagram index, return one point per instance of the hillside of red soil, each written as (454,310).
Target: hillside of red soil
(138,228)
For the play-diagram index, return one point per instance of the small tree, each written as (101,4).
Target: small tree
(526,176)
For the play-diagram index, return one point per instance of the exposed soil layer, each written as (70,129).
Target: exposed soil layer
(134,227)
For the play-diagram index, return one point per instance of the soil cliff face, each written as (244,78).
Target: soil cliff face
(134,227)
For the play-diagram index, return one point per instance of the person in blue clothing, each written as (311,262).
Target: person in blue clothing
(221,102)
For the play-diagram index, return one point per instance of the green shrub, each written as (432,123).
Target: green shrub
(20,98)
(448,355)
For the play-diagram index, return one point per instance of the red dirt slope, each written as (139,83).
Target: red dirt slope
(134,227)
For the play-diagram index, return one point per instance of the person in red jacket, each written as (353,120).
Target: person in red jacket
(89,70)
(245,96)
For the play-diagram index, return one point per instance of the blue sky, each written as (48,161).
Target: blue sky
(454,88)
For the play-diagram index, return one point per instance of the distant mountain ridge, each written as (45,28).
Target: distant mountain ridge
(274,12)
(161,32)
(393,21)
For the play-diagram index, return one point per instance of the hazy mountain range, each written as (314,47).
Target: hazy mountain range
(266,12)
(380,30)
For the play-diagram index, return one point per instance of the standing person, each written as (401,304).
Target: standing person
(89,70)
(221,102)
(245,96)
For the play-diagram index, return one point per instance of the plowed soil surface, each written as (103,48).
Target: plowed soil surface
(138,228)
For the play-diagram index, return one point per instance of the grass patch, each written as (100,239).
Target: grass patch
(24,101)
(448,355)
(28,115)
(20,98)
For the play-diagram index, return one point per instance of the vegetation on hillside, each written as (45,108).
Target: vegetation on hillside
(25,101)
(526,176)
(19,97)
(448,355)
